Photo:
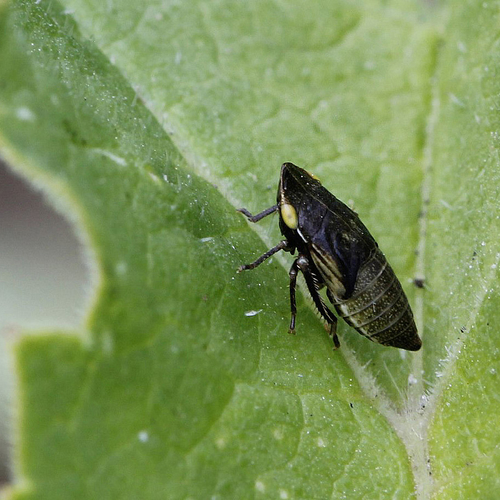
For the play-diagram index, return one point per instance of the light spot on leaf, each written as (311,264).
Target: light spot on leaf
(278,434)
(220,442)
(143,436)
(252,313)
(121,268)
(260,486)
(25,114)
(117,159)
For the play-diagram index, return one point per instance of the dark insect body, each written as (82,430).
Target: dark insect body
(336,250)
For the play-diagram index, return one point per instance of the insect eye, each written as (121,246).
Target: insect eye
(289,215)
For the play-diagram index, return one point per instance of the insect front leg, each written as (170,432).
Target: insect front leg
(313,286)
(282,245)
(259,216)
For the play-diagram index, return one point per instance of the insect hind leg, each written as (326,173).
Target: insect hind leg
(313,286)
(293,305)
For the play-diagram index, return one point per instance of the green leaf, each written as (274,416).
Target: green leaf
(147,126)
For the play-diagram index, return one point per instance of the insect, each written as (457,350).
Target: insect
(336,250)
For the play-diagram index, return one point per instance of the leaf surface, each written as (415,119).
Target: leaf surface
(149,125)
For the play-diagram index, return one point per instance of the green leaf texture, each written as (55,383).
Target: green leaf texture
(147,125)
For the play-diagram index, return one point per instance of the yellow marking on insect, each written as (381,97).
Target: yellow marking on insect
(289,215)
(315,177)
(329,270)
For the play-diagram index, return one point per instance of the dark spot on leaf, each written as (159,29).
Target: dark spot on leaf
(419,282)
(73,134)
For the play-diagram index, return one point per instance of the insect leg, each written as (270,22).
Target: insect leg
(313,286)
(282,245)
(333,328)
(333,334)
(261,215)
(293,306)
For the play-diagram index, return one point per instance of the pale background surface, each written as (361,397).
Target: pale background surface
(43,280)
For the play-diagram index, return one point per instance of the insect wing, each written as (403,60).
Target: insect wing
(329,270)
(336,250)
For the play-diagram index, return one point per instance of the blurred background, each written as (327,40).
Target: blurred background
(44,283)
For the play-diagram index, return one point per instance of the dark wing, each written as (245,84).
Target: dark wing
(338,257)
(339,246)
(337,240)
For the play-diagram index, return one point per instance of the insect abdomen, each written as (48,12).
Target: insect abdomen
(378,307)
